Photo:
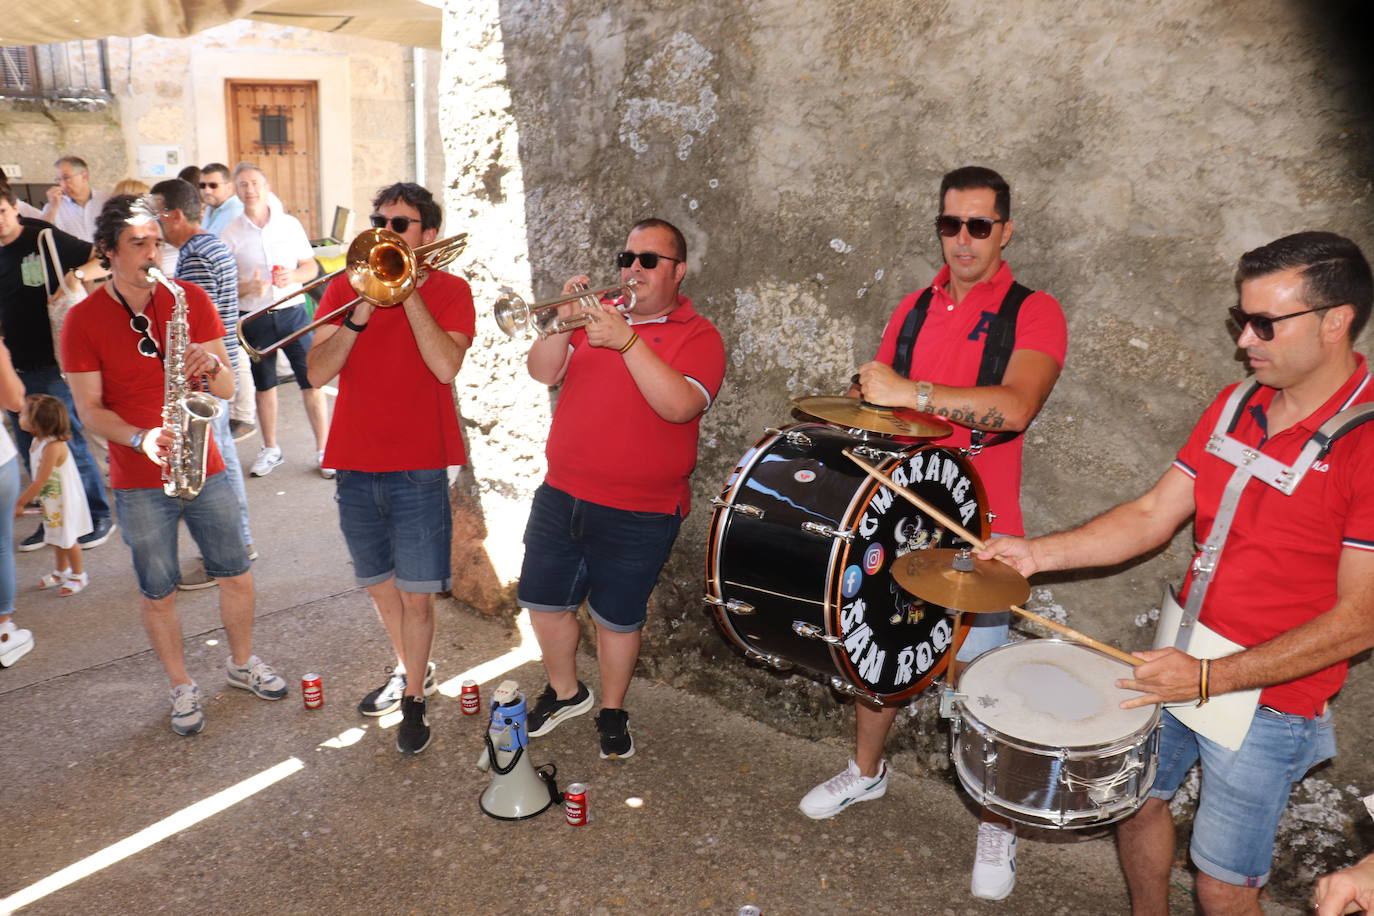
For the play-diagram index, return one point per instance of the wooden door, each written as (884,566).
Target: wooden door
(276,126)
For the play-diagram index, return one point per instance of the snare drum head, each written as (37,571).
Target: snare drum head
(1052,693)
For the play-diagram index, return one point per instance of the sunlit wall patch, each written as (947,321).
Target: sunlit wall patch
(853,578)
(873,558)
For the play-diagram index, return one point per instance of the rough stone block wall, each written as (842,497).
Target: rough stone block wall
(799,146)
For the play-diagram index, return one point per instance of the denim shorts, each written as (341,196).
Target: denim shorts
(1243,792)
(611,558)
(148,521)
(266,330)
(985,631)
(397,523)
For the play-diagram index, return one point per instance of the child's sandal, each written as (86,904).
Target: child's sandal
(74,584)
(53,579)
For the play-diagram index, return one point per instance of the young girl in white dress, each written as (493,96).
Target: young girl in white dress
(57,484)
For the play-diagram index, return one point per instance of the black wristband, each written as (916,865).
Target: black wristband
(358,328)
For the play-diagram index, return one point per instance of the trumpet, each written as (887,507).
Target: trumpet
(381,268)
(514,315)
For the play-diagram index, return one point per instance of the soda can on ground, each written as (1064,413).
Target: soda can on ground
(575,804)
(312,691)
(470,699)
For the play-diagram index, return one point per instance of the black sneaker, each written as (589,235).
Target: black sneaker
(32,542)
(614,727)
(104,527)
(549,711)
(387,698)
(413,735)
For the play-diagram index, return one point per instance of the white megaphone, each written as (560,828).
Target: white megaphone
(517,790)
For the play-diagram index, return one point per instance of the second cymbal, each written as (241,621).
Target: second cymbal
(889,421)
(985,587)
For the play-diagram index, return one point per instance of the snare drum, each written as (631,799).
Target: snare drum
(1039,736)
(801,547)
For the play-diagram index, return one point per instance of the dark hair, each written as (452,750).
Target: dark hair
(1334,271)
(7,194)
(406,192)
(973,178)
(654,222)
(49,417)
(119,212)
(75,162)
(218,167)
(180,195)
(191,175)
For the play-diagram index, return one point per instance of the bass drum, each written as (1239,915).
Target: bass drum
(801,547)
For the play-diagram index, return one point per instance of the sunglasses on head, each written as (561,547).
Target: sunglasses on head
(1263,325)
(979,227)
(647,259)
(146,346)
(209,185)
(399,224)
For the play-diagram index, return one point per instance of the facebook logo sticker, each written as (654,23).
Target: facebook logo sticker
(853,578)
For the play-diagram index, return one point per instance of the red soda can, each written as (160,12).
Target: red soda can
(470,699)
(575,804)
(312,691)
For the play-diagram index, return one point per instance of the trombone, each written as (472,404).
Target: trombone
(514,315)
(381,268)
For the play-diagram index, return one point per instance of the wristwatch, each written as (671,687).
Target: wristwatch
(136,440)
(357,328)
(923,392)
(79,274)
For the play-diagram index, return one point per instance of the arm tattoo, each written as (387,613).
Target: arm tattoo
(968,416)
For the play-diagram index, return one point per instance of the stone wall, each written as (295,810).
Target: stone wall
(799,146)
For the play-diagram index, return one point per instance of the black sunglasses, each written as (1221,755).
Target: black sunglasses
(146,345)
(209,185)
(979,227)
(647,259)
(1263,325)
(399,224)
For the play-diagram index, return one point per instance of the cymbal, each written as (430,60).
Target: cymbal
(989,587)
(890,421)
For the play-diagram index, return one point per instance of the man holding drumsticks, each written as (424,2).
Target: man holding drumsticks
(984,352)
(1292,584)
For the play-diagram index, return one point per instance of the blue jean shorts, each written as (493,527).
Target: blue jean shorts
(1243,792)
(148,521)
(578,551)
(397,523)
(266,330)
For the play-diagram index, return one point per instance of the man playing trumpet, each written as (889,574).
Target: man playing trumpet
(620,454)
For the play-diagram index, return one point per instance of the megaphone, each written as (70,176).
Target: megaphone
(517,790)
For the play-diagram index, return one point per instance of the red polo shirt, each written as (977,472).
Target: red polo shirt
(1278,568)
(948,352)
(607,446)
(96,337)
(392,414)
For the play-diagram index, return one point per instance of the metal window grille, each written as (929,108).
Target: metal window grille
(273,127)
(73,69)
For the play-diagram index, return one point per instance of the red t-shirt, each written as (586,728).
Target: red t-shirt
(1278,568)
(392,414)
(607,446)
(948,352)
(96,337)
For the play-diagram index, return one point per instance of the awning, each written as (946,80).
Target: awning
(406,22)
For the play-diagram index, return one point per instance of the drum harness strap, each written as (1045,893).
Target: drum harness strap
(1251,464)
(997,349)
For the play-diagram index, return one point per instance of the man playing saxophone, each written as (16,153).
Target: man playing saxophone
(114,346)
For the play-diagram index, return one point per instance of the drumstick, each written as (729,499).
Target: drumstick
(958,529)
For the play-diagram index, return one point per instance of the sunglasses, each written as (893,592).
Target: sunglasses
(399,224)
(1263,325)
(209,185)
(146,345)
(647,259)
(979,227)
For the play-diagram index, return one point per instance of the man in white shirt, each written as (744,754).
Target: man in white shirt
(274,259)
(72,204)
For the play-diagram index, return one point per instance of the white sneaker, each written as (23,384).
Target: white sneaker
(268,458)
(187,716)
(839,792)
(14,643)
(326,473)
(256,676)
(994,865)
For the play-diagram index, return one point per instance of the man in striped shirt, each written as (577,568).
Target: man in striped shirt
(206,261)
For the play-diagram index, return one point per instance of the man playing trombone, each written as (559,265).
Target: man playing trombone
(393,436)
(620,453)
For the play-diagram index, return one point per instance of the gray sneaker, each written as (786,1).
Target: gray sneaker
(256,676)
(187,716)
(194,577)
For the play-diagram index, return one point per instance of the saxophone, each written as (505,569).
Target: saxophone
(186,414)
